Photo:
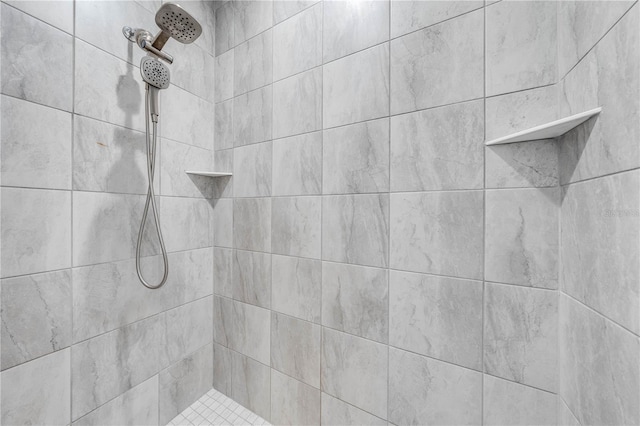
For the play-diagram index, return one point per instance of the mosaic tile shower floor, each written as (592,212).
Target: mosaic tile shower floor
(215,408)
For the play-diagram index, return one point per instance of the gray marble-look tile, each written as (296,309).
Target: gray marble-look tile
(37,60)
(251,384)
(521,46)
(253,63)
(223,129)
(508,403)
(427,391)
(175,159)
(295,226)
(349,26)
(295,348)
(355,370)
(581,24)
(35,156)
(224,28)
(222,369)
(252,170)
(252,277)
(604,145)
(115,284)
(356,158)
(204,12)
(36,316)
(109,158)
(185,223)
(564,415)
(36,225)
(112,363)
(439,65)
(520,335)
(193,70)
(184,382)
(223,272)
(411,15)
(599,246)
(297,165)
(57,13)
(514,112)
(105,227)
(98,23)
(600,384)
(521,165)
(355,299)
(188,328)
(137,406)
(252,224)
(297,104)
(223,222)
(355,229)
(252,117)
(297,43)
(337,412)
(293,402)
(242,327)
(438,232)
(438,149)
(283,9)
(438,317)
(356,88)
(223,162)
(186,118)
(223,78)
(37,392)
(295,287)
(521,236)
(112,81)
(251,17)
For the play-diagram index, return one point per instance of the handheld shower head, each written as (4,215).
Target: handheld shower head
(157,77)
(175,22)
(154,72)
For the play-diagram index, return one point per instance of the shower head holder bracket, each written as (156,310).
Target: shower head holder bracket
(144,39)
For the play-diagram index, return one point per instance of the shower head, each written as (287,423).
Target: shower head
(154,72)
(156,75)
(175,22)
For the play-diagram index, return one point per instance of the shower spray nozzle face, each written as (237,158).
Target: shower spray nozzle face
(154,72)
(177,23)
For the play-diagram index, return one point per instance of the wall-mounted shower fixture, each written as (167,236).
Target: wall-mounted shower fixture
(176,23)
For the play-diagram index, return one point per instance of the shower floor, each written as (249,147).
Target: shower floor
(215,408)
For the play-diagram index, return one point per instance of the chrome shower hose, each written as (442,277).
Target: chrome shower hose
(151,200)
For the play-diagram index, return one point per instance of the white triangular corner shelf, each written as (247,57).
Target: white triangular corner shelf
(210,174)
(550,130)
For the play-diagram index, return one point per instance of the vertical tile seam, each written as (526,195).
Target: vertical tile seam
(389,223)
(73,130)
(321,348)
(484,205)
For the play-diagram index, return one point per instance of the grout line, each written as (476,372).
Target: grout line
(322,165)
(72,153)
(582,58)
(484,213)
(601,315)
(382,117)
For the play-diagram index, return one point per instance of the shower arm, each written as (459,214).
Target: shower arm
(146,41)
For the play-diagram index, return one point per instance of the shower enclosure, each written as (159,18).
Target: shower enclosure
(404,212)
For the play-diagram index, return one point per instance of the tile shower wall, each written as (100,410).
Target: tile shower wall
(599,304)
(374,262)
(82,341)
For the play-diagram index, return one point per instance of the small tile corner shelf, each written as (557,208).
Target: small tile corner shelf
(209,174)
(550,130)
